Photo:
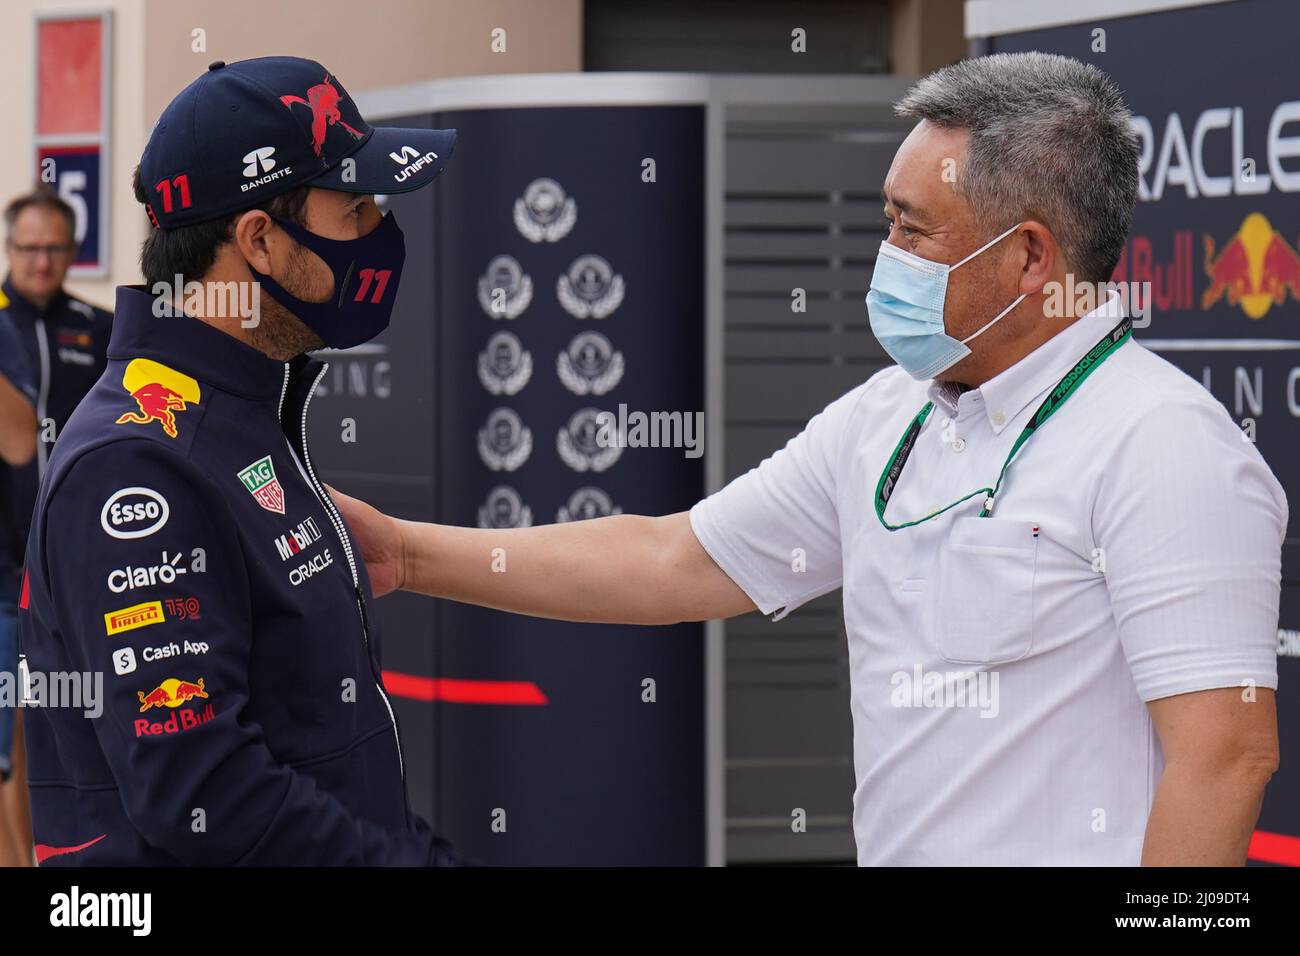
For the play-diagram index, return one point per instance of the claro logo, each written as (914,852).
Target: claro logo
(133,513)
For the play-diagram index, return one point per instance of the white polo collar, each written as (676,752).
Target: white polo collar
(1006,394)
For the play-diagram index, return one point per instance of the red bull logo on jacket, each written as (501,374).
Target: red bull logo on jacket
(160,392)
(1253,270)
(171,693)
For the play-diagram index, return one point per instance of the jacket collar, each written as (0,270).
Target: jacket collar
(191,346)
(19,304)
(1011,391)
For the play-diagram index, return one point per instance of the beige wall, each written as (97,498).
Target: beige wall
(925,35)
(406,41)
(365,44)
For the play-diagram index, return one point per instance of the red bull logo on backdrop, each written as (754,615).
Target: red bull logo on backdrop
(1220,153)
(1253,270)
(160,392)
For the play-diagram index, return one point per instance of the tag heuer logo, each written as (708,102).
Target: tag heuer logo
(259,478)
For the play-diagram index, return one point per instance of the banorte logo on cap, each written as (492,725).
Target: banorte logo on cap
(323,101)
(160,392)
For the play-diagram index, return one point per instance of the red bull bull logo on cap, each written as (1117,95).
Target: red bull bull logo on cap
(323,101)
(160,392)
(1253,270)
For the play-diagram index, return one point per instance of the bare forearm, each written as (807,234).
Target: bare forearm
(1203,815)
(621,569)
(17,426)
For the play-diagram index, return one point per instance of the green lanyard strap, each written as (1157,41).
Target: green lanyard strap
(1055,399)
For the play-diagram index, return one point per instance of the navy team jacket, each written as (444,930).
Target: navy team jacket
(183,546)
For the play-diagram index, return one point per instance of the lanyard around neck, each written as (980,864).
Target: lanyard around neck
(1055,399)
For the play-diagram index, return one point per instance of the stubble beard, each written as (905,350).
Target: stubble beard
(280,334)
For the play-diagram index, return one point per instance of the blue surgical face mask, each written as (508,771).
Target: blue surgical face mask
(905,306)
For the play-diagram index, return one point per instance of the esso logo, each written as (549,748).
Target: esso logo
(134,513)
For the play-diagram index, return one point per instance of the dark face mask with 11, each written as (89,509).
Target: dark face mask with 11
(366,272)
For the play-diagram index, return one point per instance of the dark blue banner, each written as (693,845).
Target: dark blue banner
(571,257)
(76,172)
(555,272)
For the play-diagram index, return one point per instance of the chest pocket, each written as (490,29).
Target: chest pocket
(984,601)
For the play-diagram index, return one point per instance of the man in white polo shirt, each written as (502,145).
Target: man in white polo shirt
(1060,557)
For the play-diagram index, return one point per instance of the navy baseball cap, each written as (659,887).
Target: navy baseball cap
(246,131)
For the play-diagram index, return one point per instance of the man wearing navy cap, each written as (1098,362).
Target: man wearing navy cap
(183,548)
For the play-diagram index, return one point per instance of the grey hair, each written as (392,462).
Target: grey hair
(1050,140)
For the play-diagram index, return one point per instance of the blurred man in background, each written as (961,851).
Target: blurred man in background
(17,448)
(62,341)
(65,338)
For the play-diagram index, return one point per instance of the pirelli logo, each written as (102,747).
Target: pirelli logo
(129,618)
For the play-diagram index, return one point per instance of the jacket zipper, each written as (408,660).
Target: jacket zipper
(284,388)
(42,397)
(339,529)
